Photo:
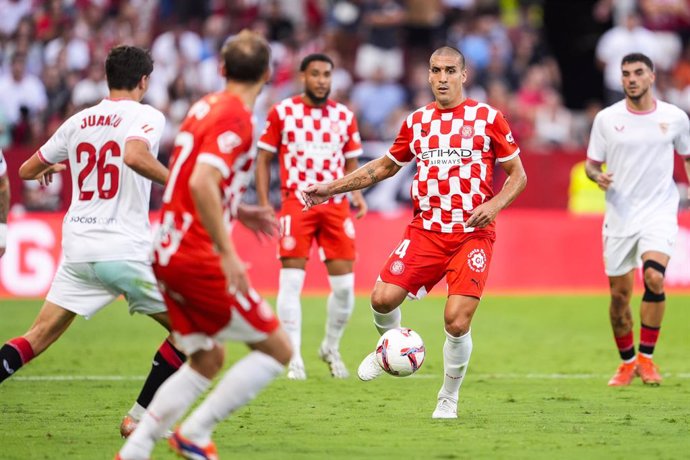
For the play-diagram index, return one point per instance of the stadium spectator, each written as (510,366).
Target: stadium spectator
(316,140)
(636,138)
(106,235)
(380,49)
(204,283)
(19,89)
(452,232)
(12,13)
(374,100)
(4,203)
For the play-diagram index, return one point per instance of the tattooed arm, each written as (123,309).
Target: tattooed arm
(369,174)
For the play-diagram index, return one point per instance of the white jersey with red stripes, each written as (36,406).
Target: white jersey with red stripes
(108,217)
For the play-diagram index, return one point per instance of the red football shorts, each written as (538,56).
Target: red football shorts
(424,257)
(198,301)
(330,224)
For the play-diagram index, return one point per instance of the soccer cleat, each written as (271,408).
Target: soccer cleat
(187,449)
(648,371)
(445,408)
(334,361)
(369,368)
(624,375)
(296,371)
(129,424)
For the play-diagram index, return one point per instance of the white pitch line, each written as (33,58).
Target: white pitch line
(509,376)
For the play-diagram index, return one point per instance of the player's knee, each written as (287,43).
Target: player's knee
(208,362)
(458,325)
(653,277)
(382,302)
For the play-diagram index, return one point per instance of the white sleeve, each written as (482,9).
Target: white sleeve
(596,151)
(682,141)
(148,128)
(55,149)
(3,165)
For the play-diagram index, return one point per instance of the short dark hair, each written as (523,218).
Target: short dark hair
(638,57)
(448,50)
(315,57)
(126,65)
(246,57)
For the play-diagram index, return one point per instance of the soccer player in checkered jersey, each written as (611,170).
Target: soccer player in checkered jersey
(636,138)
(203,281)
(106,238)
(456,142)
(316,141)
(4,203)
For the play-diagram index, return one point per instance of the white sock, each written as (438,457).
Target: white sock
(172,399)
(241,383)
(456,358)
(387,321)
(290,308)
(341,303)
(137,411)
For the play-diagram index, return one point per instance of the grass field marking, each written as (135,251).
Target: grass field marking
(509,376)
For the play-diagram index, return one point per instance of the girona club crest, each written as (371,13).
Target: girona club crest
(397,267)
(466,131)
(476,260)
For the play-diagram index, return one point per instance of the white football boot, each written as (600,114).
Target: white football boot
(445,408)
(369,368)
(334,361)
(296,370)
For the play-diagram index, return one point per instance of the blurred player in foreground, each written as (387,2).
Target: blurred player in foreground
(636,138)
(106,238)
(455,142)
(316,140)
(203,281)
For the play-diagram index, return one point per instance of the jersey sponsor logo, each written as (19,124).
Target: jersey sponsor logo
(476,260)
(92,220)
(288,243)
(227,141)
(349,228)
(100,120)
(448,156)
(318,149)
(397,267)
(467,131)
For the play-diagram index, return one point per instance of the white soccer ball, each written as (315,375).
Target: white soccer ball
(400,352)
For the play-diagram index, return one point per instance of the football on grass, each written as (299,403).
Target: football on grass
(400,352)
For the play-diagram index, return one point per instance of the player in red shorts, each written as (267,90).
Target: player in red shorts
(204,283)
(456,142)
(316,141)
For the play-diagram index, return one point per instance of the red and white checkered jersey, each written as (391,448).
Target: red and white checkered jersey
(216,132)
(456,150)
(312,142)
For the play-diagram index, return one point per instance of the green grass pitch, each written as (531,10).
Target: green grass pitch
(536,389)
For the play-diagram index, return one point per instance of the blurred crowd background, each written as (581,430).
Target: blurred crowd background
(549,65)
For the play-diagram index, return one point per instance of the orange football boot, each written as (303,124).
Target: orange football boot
(624,374)
(187,449)
(648,371)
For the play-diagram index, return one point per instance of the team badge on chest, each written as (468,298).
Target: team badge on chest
(466,131)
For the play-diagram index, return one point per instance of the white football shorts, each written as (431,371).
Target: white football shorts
(85,288)
(623,254)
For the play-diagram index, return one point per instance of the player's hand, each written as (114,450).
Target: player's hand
(604,180)
(259,219)
(46,178)
(235,271)
(315,194)
(360,203)
(482,215)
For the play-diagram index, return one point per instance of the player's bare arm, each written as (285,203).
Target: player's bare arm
(259,219)
(596,174)
(35,168)
(486,213)
(139,158)
(358,201)
(204,187)
(263,176)
(4,210)
(369,174)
